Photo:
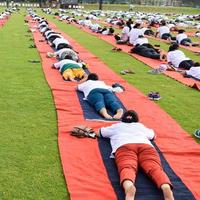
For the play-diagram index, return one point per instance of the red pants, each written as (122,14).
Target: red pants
(129,156)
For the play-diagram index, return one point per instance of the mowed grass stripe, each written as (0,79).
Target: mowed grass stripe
(30,165)
(180,101)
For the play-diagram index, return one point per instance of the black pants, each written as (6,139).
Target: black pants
(186,64)
(146,51)
(63,45)
(186,41)
(165,36)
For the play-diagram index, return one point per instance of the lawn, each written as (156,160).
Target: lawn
(30,164)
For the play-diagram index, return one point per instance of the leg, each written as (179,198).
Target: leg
(150,162)
(126,161)
(112,103)
(96,99)
(129,189)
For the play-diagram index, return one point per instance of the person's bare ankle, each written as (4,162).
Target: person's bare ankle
(130,193)
(167,192)
(119,114)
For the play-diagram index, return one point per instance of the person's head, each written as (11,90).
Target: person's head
(163,23)
(130,116)
(111,30)
(174,46)
(137,25)
(68,57)
(140,36)
(93,77)
(181,31)
(196,64)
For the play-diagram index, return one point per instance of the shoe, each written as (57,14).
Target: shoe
(197,133)
(154,96)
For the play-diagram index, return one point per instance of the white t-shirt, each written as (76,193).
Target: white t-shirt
(176,57)
(162,30)
(87,22)
(58,41)
(53,34)
(89,85)
(198,34)
(180,37)
(133,35)
(127,133)
(194,72)
(141,41)
(61,63)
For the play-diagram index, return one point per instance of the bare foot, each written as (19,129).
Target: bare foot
(129,189)
(119,114)
(167,192)
(104,113)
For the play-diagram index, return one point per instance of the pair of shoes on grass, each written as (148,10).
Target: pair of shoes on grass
(155,96)
(162,68)
(116,49)
(127,71)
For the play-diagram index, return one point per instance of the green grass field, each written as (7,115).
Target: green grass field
(30,164)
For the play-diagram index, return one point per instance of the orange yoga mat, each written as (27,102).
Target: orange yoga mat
(148,61)
(81,161)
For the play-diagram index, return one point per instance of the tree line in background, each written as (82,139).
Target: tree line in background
(193,3)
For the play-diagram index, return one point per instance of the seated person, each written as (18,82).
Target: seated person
(124,38)
(176,58)
(134,33)
(145,49)
(131,147)
(100,96)
(63,54)
(70,70)
(164,32)
(183,39)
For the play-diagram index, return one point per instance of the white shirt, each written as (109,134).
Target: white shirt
(89,85)
(176,57)
(180,37)
(141,41)
(61,63)
(133,35)
(162,30)
(58,41)
(194,72)
(198,34)
(126,133)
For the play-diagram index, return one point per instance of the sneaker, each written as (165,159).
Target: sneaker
(154,96)
(197,133)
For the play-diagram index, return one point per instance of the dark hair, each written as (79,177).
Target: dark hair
(196,64)
(140,36)
(137,25)
(111,30)
(130,116)
(163,23)
(93,77)
(174,46)
(68,57)
(181,31)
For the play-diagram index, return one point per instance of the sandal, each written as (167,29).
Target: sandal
(82,131)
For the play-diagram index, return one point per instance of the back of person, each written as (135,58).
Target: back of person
(176,57)
(163,29)
(134,34)
(180,37)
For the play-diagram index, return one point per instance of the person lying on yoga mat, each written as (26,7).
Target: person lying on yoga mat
(134,33)
(183,39)
(100,96)
(131,147)
(164,32)
(64,54)
(145,49)
(70,70)
(176,58)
